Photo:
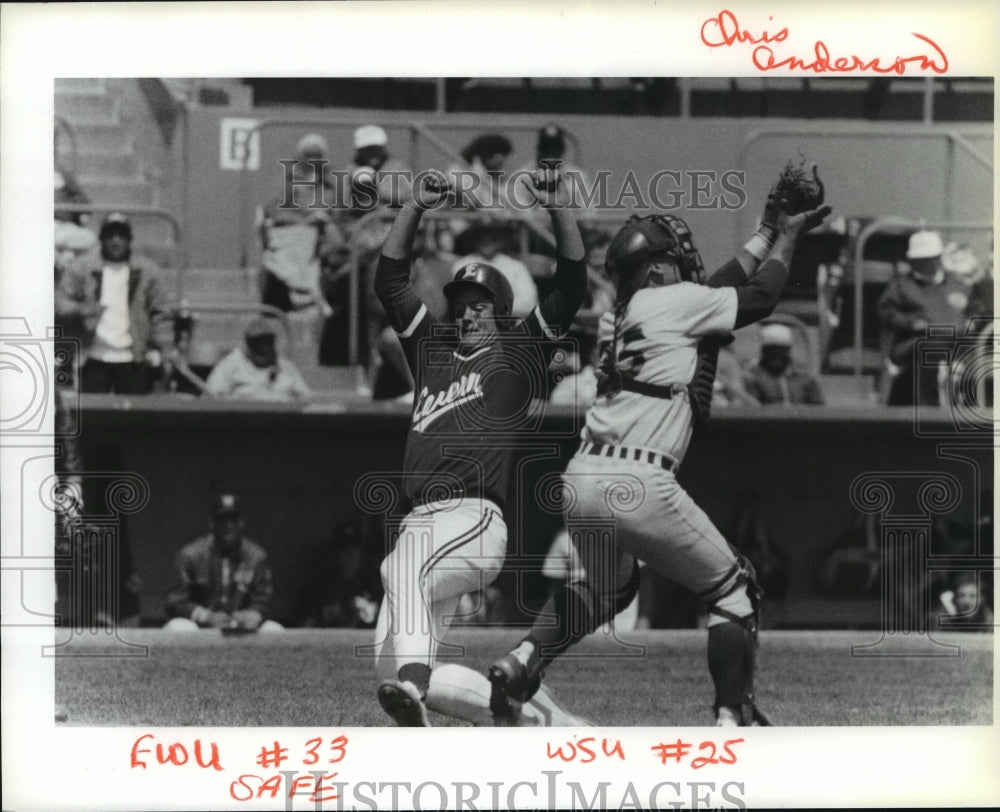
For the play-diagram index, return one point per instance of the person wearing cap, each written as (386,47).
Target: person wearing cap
(773,379)
(297,236)
(486,158)
(927,295)
(550,151)
(224,579)
(256,370)
(377,179)
(116,304)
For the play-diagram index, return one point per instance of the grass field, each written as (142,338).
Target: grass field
(313,677)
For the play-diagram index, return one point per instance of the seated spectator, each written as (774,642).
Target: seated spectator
(928,295)
(225,579)
(296,238)
(488,242)
(343,587)
(550,151)
(256,371)
(729,387)
(486,158)
(377,178)
(116,304)
(773,379)
(965,606)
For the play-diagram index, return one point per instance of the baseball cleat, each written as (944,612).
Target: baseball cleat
(726,717)
(401,700)
(510,685)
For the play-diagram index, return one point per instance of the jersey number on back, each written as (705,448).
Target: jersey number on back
(612,371)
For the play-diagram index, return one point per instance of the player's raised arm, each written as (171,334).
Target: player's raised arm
(757,298)
(569,285)
(392,276)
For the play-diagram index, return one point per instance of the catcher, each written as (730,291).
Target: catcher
(654,387)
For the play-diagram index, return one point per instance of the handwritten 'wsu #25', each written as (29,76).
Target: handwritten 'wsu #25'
(724,30)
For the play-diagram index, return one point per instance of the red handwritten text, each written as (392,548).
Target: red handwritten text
(676,750)
(583,752)
(724,30)
(242,789)
(176,754)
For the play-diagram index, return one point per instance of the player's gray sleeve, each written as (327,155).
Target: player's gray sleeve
(394,291)
(757,298)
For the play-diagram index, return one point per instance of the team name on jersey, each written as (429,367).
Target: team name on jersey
(430,407)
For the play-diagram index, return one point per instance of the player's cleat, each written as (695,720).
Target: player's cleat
(726,717)
(401,700)
(510,684)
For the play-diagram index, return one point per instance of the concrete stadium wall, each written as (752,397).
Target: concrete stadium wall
(902,172)
(297,467)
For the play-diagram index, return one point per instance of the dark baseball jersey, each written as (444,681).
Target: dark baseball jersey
(471,406)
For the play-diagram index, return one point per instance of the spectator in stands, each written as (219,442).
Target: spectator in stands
(928,295)
(116,304)
(773,379)
(349,581)
(377,182)
(224,578)
(296,237)
(377,179)
(71,244)
(256,371)
(486,156)
(729,387)
(965,603)
(489,245)
(550,151)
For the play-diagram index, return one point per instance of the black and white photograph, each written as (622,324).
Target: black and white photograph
(401,387)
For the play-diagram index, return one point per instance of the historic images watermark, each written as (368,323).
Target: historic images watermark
(363,189)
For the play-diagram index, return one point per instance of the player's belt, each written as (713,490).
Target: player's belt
(620,452)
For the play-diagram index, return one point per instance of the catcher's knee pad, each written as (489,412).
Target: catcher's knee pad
(741,602)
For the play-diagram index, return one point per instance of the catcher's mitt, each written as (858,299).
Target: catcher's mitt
(798,188)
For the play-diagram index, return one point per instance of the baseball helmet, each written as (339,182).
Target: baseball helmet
(486,278)
(644,240)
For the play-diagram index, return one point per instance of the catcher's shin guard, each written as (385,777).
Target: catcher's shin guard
(732,654)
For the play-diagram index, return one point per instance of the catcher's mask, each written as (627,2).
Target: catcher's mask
(641,243)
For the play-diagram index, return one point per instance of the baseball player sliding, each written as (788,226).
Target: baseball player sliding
(655,383)
(474,385)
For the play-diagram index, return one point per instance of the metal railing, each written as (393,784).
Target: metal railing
(952,138)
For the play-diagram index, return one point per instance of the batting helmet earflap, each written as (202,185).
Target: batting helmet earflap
(487,278)
(643,240)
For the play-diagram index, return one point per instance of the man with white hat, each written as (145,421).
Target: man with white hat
(376,178)
(927,295)
(773,379)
